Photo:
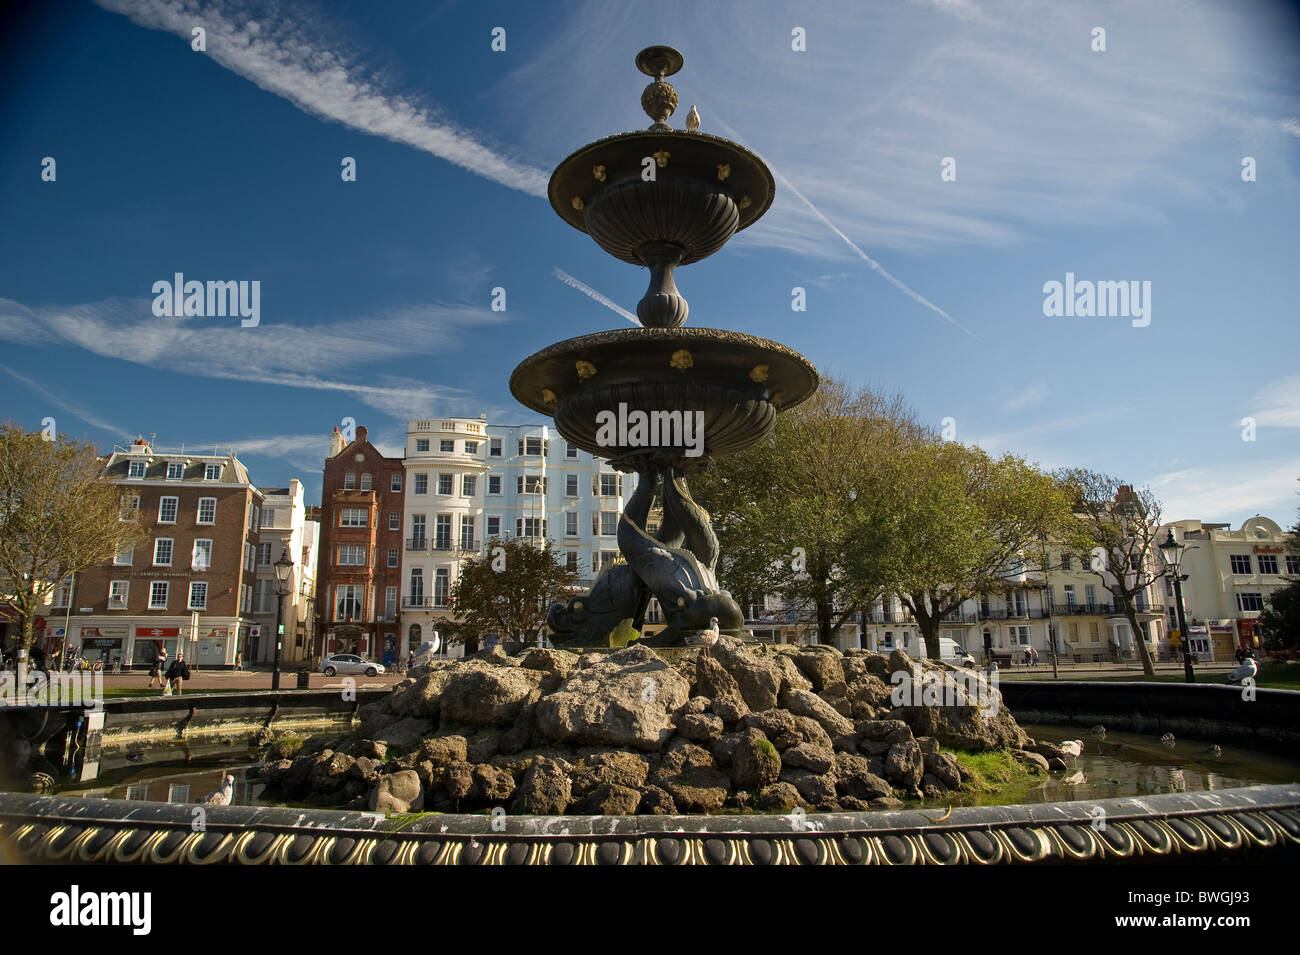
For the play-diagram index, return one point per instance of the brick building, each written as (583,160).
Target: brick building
(359,569)
(202,514)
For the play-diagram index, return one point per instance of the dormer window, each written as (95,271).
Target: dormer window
(175,470)
(135,469)
(212,472)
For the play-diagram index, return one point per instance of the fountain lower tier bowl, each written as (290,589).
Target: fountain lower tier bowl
(594,386)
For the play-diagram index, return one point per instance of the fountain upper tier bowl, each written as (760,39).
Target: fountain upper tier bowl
(738,381)
(705,189)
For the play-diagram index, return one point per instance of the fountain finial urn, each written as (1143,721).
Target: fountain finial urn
(662,197)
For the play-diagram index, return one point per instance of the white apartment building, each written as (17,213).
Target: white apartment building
(467,481)
(285,529)
(1230,575)
(1071,608)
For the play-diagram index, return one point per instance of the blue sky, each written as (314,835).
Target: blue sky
(375,295)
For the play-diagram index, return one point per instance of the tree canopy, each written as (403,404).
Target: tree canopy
(57,518)
(806,512)
(506,591)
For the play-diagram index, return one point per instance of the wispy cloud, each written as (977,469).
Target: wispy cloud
(274,52)
(587,290)
(294,356)
(1277,405)
(1230,491)
(79,411)
(1028,397)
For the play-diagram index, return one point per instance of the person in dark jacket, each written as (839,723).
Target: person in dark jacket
(178,672)
(159,669)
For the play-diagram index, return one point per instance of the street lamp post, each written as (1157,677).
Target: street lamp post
(1172,552)
(283,568)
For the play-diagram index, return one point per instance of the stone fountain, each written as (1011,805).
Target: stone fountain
(662,399)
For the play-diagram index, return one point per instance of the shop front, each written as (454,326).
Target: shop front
(214,643)
(105,645)
(1247,635)
(150,641)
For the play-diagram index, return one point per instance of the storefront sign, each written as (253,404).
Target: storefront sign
(156,633)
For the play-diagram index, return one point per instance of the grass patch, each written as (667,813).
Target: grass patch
(994,771)
(1276,676)
(288,745)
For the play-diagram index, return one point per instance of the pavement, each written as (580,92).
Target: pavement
(254,679)
(260,678)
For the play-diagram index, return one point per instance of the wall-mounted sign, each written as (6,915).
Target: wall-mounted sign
(156,633)
(1268,549)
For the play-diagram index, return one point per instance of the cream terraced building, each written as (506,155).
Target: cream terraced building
(1230,576)
(467,481)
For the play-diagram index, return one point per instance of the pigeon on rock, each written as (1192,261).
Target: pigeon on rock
(693,120)
(1072,747)
(221,796)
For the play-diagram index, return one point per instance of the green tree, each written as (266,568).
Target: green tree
(1124,524)
(57,518)
(1280,621)
(804,512)
(965,524)
(506,591)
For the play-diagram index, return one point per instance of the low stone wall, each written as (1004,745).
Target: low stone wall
(139,719)
(1212,712)
(1254,824)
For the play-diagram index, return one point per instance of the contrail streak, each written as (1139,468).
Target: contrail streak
(568,279)
(875,266)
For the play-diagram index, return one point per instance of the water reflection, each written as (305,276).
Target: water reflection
(1111,764)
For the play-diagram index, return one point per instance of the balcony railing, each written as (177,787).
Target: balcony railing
(893,616)
(417,543)
(1011,613)
(421,602)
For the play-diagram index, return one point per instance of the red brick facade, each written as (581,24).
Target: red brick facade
(360,620)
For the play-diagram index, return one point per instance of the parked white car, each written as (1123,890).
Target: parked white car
(350,663)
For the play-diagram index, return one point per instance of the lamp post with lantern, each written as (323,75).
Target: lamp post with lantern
(1172,553)
(283,568)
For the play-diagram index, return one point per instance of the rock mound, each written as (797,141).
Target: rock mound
(743,728)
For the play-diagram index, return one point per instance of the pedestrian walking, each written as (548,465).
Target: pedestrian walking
(159,669)
(239,660)
(178,672)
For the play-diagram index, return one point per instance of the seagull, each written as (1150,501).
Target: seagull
(1078,779)
(219,797)
(1072,747)
(705,638)
(1247,670)
(1217,751)
(1168,739)
(693,120)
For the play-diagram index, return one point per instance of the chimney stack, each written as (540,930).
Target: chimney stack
(361,432)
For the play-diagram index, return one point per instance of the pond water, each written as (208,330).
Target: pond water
(1121,764)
